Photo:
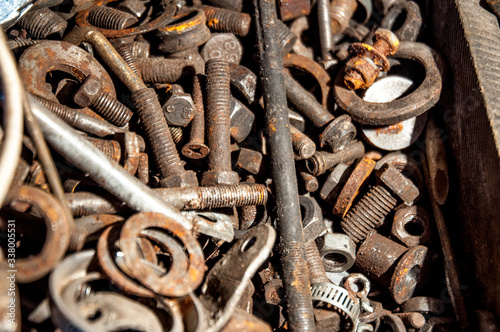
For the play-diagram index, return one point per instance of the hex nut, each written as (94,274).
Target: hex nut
(182,180)
(358,285)
(399,184)
(335,182)
(89,90)
(249,160)
(242,120)
(337,251)
(412,226)
(312,219)
(179,109)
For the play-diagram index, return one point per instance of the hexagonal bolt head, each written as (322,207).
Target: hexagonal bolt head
(249,160)
(312,219)
(220,178)
(338,252)
(242,120)
(179,109)
(334,183)
(399,184)
(88,92)
(181,180)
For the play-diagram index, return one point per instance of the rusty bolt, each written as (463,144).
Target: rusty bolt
(224,20)
(196,148)
(303,146)
(218,124)
(91,94)
(322,161)
(372,209)
(341,12)
(362,69)
(43,23)
(110,18)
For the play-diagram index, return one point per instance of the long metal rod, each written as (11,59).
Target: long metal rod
(295,272)
(81,153)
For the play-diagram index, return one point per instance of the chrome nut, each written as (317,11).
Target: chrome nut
(337,251)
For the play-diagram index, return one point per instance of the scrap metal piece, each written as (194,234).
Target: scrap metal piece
(227,280)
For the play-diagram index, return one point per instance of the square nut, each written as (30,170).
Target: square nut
(399,184)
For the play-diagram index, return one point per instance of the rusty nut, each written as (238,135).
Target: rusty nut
(312,219)
(337,251)
(399,184)
(411,226)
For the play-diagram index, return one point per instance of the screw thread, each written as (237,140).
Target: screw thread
(61,111)
(322,161)
(126,53)
(223,20)
(110,148)
(111,109)
(109,18)
(286,37)
(18,45)
(302,144)
(341,12)
(218,114)
(177,134)
(232,196)
(299,292)
(42,23)
(368,214)
(157,130)
(160,70)
(317,272)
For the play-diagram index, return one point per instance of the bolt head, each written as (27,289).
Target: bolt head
(181,180)
(338,134)
(179,109)
(89,90)
(399,184)
(212,178)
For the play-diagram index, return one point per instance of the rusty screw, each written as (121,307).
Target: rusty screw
(42,23)
(322,161)
(372,209)
(218,124)
(110,18)
(91,94)
(223,20)
(196,148)
(362,69)
(302,144)
(341,12)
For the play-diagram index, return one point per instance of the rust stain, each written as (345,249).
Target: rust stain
(390,130)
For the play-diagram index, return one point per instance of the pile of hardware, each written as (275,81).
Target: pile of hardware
(222,166)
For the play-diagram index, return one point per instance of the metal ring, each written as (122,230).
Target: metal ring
(312,67)
(162,20)
(57,238)
(340,299)
(169,284)
(48,56)
(412,105)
